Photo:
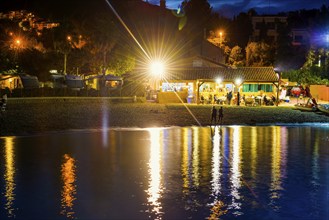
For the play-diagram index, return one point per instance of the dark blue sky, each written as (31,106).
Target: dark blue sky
(230,8)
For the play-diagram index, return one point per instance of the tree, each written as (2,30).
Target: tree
(198,13)
(285,49)
(242,30)
(100,35)
(236,57)
(121,62)
(259,54)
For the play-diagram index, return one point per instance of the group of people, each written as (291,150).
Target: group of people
(214,113)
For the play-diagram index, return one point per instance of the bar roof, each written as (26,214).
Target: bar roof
(246,74)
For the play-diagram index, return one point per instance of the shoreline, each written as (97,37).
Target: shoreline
(26,116)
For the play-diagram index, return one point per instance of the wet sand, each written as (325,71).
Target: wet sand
(26,116)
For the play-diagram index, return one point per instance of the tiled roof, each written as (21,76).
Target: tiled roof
(246,74)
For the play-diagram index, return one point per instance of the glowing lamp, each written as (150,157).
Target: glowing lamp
(238,82)
(157,68)
(218,80)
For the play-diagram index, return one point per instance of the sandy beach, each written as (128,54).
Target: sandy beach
(26,116)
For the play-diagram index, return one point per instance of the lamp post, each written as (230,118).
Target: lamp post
(278,89)
(157,70)
(238,83)
(220,34)
(16,45)
(66,51)
(220,39)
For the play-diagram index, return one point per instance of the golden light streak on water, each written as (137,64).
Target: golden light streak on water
(253,146)
(284,151)
(196,159)
(235,168)
(68,171)
(216,164)
(276,180)
(155,186)
(10,176)
(218,208)
(185,161)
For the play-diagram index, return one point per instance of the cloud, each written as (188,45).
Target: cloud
(229,8)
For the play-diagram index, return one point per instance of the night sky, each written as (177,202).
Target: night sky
(230,8)
(227,8)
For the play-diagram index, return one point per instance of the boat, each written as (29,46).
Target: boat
(324,108)
(310,106)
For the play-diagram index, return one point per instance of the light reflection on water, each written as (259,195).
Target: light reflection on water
(155,186)
(69,187)
(270,172)
(9,177)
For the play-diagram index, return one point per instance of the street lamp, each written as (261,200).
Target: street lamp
(238,82)
(66,51)
(157,68)
(18,42)
(220,39)
(218,80)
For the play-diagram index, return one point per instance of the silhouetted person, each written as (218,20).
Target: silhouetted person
(213,114)
(238,99)
(308,92)
(229,97)
(202,99)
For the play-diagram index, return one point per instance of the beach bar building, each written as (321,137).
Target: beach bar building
(193,83)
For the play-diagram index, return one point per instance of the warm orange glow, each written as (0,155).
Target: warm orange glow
(69,189)
(9,176)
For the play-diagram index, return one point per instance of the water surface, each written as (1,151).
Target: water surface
(238,172)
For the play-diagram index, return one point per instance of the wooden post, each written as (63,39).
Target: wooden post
(198,93)
(278,90)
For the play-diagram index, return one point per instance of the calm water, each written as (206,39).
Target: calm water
(262,172)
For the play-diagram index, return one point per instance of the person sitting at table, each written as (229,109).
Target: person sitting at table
(273,98)
(202,99)
(265,100)
(216,100)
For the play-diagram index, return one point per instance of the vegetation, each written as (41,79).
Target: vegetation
(86,42)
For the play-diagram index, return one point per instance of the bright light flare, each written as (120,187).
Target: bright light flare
(238,82)
(157,68)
